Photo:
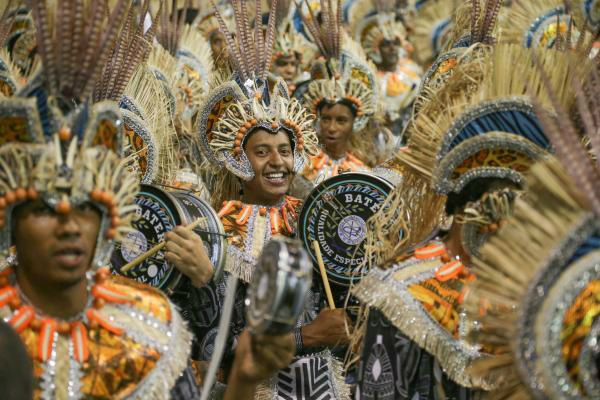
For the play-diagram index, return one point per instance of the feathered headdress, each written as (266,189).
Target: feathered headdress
(486,130)
(433,23)
(539,23)
(542,313)
(236,108)
(290,43)
(344,74)
(373,21)
(56,145)
(474,26)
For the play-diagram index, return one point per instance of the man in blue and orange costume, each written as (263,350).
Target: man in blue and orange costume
(257,139)
(469,161)
(66,193)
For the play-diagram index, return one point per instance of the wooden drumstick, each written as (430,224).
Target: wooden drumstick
(324,275)
(140,259)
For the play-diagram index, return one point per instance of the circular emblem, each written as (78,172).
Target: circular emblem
(335,215)
(133,245)
(352,230)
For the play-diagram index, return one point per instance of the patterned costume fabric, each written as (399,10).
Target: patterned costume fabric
(250,227)
(315,373)
(322,167)
(394,367)
(422,297)
(135,345)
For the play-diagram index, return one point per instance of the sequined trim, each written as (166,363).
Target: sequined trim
(551,365)
(525,354)
(379,290)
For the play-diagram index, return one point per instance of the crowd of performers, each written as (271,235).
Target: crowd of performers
(321,199)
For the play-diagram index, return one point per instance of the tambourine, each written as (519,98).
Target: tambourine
(159,212)
(335,214)
(277,293)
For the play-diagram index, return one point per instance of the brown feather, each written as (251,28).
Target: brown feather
(44,43)
(270,40)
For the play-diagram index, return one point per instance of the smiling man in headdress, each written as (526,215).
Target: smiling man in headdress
(257,139)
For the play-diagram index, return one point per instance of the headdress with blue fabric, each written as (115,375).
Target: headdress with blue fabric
(57,145)
(492,130)
(487,129)
(539,278)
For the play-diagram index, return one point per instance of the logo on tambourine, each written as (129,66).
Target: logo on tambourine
(334,215)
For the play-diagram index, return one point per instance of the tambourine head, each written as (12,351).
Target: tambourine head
(335,214)
(279,287)
(157,215)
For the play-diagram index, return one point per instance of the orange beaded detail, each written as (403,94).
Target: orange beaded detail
(64,134)
(63,207)
(21,194)
(32,194)
(10,197)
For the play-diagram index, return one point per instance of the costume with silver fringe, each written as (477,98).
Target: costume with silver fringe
(489,132)
(129,341)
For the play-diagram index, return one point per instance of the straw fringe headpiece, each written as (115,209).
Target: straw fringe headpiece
(236,108)
(344,73)
(56,146)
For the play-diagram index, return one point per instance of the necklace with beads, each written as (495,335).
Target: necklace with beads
(24,315)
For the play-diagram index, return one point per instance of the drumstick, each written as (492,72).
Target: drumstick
(324,275)
(140,259)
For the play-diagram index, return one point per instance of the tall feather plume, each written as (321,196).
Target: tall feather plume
(171,25)
(65,15)
(566,141)
(559,44)
(259,39)
(132,48)
(77,47)
(492,9)
(248,43)
(338,33)
(312,28)
(234,51)
(241,36)
(589,109)
(101,54)
(326,24)
(44,42)
(326,35)
(118,55)
(475,14)
(270,40)
(93,24)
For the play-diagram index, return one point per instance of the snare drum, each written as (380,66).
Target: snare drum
(159,212)
(280,284)
(335,214)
